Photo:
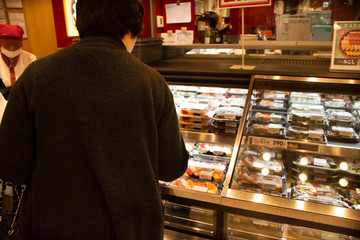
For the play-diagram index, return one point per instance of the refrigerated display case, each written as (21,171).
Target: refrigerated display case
(300,140)
(294,158)
(214,112)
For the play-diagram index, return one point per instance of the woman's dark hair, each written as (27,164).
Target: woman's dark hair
(115,17)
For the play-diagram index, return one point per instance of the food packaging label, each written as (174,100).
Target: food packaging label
(230,116)
(319,171)
(232,131)
(316,117)
(320,162)
(268,186)
(231,124)
(344,116)
(207,175)
(315,134)
(275,118)
(320,178)
(274,128)
(255,222)
(200,188)
(325,198)
(346,132)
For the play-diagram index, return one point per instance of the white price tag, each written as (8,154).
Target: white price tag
(207,175)
(347,133)
(231,124)
(201,189)
(273,129)
(315,134)
(230,116)
(230,130)
(320,162)
(316,117)
(319,171)
(269,142)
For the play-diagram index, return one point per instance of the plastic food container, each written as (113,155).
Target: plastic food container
(307,118)
(213,149)
(271,129)
(303,97)
(224,131)
(342,134)
(266,117)
(197,185)
(278,105)
(212,91)
(314,135)
(206,170)
(307,108)
(233,102)
(194,109)
(337,103)
(341,118)
(229,113)
(275,167)
(199,127)
(271,94)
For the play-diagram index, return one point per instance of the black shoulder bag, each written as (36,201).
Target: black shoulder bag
(9,226)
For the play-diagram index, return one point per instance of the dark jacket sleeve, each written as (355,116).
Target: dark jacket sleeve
(17,139)
(173,156)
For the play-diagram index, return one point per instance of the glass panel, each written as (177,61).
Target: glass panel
(212,111)
(189,217)
(240,227)
(301,141)
(284,20)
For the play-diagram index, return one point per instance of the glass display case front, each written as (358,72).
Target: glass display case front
(300,140)
(240,227)
(212,112)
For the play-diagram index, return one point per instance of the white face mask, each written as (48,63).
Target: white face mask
(10,54)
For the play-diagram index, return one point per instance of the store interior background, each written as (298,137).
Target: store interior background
(46,27)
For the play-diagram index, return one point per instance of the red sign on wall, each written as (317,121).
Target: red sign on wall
(243,3)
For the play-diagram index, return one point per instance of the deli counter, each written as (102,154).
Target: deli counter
(277,157)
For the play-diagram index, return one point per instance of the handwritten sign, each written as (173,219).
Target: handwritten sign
(345,50)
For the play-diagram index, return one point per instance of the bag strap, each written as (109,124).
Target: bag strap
(20,195)
(3,186)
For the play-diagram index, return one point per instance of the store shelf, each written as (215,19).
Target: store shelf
(293,209)
(284,45)
(208,137)
(259,199)
(331,148)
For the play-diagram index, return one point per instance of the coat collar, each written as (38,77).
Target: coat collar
(104,37)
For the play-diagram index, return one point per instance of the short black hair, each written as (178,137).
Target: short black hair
(115,17)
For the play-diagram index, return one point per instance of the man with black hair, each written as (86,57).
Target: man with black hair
(90,130)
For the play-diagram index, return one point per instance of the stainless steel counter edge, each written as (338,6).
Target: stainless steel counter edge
(276,206)
(192,195)
(296,209)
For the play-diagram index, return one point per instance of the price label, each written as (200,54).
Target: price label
(269,142)
(201,189)
(230,116)
(231,124)
(320,162)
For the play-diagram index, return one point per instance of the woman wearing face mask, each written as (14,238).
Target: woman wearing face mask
(13,60)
